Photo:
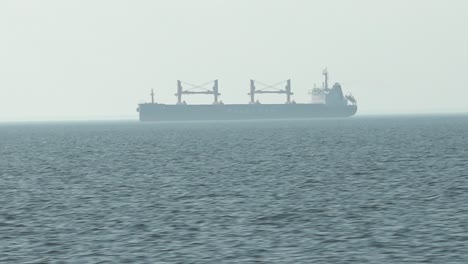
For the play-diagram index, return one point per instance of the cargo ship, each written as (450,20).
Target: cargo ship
(326,102)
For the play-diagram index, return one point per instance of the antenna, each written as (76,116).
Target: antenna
(152,96)
(325,73)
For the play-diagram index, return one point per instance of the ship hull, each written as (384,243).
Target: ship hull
(162,112)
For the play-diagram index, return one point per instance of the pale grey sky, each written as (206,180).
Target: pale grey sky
(99,58)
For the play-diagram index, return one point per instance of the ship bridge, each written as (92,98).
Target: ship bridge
(331,96)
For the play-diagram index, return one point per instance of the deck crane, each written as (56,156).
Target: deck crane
(267,89)
(197,89)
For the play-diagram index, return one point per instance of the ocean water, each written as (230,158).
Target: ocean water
(357,190)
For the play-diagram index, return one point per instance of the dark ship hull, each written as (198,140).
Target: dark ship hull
(162,112)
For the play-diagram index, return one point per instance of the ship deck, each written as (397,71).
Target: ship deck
(163,112)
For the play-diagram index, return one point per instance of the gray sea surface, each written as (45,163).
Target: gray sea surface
(357,190)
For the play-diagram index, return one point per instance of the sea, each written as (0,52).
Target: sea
(375,189)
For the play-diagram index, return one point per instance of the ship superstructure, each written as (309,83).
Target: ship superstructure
(330,96)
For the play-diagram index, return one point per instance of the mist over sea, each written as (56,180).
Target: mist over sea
(356,190)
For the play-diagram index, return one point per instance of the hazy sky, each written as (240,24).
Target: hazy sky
(96,59)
